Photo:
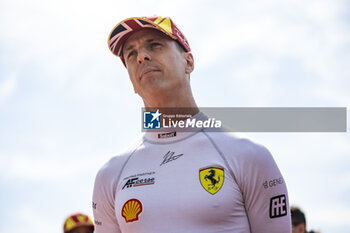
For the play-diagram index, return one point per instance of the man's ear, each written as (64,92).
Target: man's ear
(189,62)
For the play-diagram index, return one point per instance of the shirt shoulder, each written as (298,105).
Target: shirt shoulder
(104,192)
(247,160)
(240,148)
(113,167)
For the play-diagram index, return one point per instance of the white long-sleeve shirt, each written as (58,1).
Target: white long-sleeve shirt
(191,182)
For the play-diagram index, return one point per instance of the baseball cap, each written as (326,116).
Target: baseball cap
(127,27)
(77,220)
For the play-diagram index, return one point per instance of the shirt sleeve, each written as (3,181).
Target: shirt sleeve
(264,191)
(103,202)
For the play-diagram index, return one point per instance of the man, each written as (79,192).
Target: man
(78,223)
(299,221)
(175,181)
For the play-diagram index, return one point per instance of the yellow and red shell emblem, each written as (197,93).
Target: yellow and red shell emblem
(131,210)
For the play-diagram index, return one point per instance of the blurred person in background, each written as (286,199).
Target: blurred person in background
(299,221)
(78,223)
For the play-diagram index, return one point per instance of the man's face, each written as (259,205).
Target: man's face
(300,228)
(154,62)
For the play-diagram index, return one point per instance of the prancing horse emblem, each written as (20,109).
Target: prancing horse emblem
(212,178)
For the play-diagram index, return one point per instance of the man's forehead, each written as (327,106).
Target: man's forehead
(145,35)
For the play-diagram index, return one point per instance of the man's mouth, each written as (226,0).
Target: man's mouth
(146,72)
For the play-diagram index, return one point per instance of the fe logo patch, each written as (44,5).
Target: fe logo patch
(212,178)
(278,206)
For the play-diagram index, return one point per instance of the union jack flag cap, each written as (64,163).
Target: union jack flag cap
(125,28)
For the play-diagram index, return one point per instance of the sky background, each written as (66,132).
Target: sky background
(67,106)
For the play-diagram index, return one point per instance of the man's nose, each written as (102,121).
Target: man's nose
(143,56)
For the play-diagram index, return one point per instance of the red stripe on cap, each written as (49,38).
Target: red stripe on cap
(75,219)
(134,25)
(131,26)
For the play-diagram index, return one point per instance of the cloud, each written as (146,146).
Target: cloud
(335,95)
(8,87)
(46,168)
(307,31)
(312,36)
(32,220)
(330,215)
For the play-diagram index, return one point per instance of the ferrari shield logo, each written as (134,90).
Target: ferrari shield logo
(212,178)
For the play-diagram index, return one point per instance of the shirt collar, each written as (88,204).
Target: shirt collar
(173,134)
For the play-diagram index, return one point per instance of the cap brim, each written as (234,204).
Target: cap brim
(81,225)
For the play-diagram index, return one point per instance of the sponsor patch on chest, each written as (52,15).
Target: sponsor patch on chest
(212,178)
(141,179)
(131,210)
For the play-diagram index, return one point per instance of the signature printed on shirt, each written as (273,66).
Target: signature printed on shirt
(170,156)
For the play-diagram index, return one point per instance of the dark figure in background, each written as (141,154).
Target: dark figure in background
(299,221)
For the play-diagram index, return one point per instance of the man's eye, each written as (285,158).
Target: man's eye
(131,54)
(154,45)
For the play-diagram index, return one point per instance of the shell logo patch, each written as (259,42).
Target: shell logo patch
(212,178)
(131,210)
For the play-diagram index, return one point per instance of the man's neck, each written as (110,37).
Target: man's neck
(173,105)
